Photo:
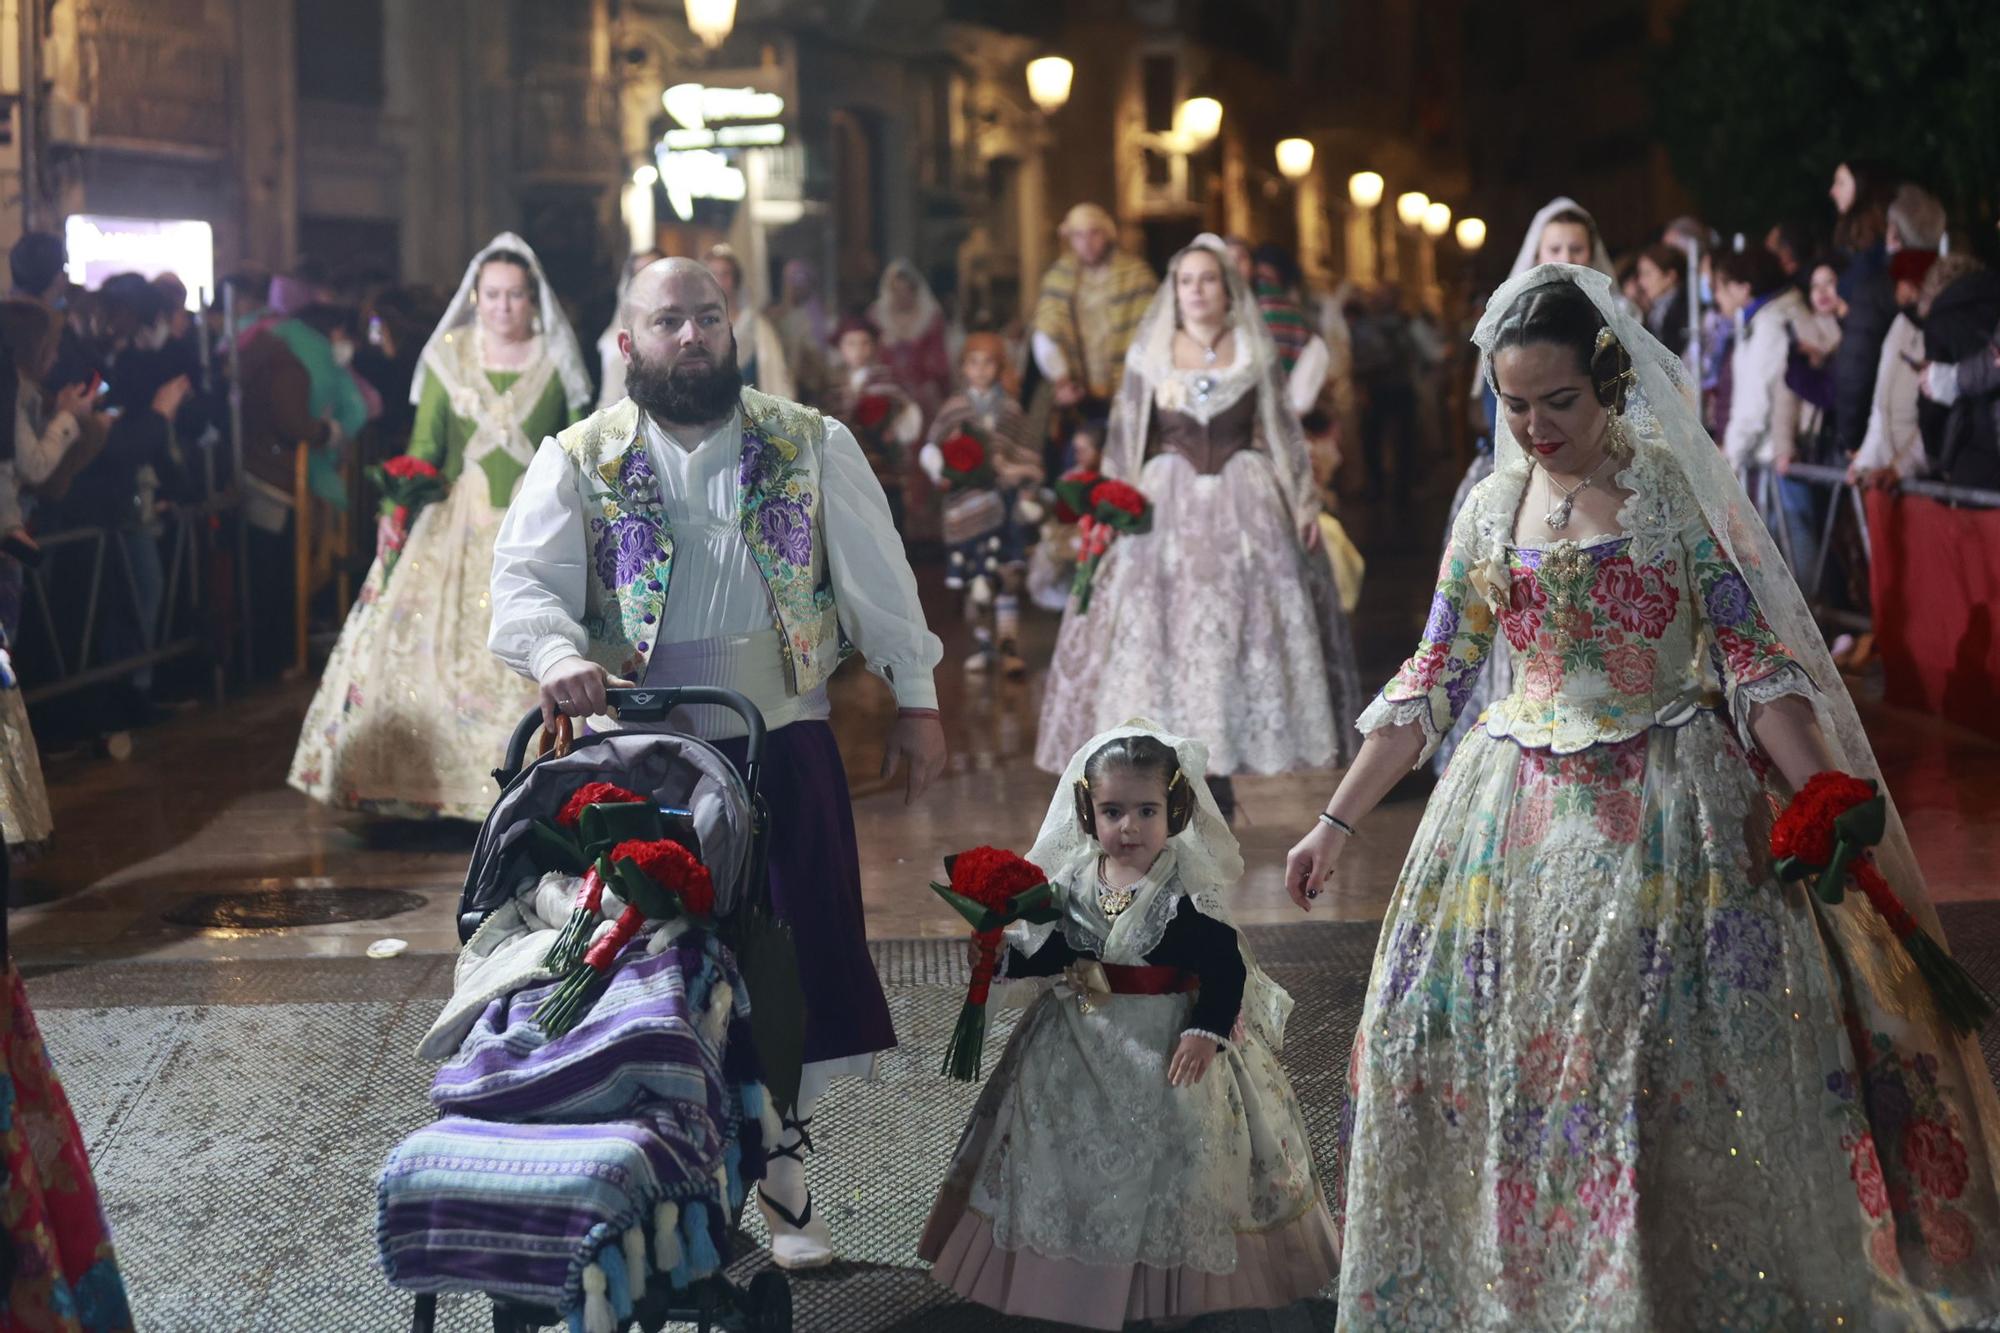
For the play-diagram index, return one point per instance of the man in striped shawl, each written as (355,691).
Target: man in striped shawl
(1091,302)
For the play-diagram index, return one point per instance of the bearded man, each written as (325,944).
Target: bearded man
(1090,304)
(702,533)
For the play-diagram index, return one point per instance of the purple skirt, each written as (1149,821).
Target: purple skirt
(815,867)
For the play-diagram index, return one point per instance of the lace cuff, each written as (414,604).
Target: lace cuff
(1387,712)
(1790,678)
(1204,1032)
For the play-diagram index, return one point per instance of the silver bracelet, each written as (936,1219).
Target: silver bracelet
(1335,821)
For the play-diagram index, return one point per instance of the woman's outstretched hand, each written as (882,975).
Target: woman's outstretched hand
(1191,1060)
(1310,863)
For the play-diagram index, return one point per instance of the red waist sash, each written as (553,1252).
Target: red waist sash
(1149,980)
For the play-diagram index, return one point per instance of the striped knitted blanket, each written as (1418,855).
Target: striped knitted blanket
(571,1173)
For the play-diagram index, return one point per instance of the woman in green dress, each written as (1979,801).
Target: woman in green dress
(414,711)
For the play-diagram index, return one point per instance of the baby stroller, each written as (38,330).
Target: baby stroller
(617,1222)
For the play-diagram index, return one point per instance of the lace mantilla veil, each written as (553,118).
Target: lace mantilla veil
(1208,861)
(558,339)
(1150,361)
(1659,415)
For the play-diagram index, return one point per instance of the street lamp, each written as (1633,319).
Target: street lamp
(1048,83)
(1437,219)
(1471,235)
(1197,121)
(1295,158)
(711,20)
(1364,188)
(1410,207)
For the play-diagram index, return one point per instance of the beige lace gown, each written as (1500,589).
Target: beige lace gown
(1089,1190)
(1217,623)
(414,711)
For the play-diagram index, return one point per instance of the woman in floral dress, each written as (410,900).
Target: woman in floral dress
(1611,1072)
(414,708)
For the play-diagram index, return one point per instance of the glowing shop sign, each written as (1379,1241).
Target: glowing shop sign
(101,246)
(708,120)
(700,111)
(699,173)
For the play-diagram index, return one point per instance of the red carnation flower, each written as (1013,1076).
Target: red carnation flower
(594,793)
(993,877)
(673,868)
(872,410)
(1805,829)
(407,467)
(1118,495)
(962,453)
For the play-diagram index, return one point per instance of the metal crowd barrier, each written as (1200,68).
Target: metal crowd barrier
(175,631)
(1762,485)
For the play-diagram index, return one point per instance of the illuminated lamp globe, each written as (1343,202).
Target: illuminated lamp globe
(1048,83)
(1365,188)
(646,175)
(1437,219)
(1197,121)
(711,20)
(1295,158)
(1471,234)
(1410,207)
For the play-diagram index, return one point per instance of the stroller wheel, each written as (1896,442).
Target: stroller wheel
(767,1305)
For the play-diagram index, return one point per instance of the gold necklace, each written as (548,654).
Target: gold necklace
(1112,901)
(1558,517)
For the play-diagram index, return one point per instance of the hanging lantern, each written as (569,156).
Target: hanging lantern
(1437,219)
(1471,234)
(1197,121)
(1410,207)
(1365,188)
(711,20)
(1295,158)
(1049,80)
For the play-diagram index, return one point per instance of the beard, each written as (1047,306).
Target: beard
(685,395)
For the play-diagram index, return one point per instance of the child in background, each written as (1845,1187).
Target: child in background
(865,397)
(1052,564)
(986,524)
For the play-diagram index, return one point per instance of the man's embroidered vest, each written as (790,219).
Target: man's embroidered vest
(632,547)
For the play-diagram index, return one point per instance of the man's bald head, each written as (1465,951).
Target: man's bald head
(674,283)
(680,354)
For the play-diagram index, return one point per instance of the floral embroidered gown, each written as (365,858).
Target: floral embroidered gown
(1611,1074)
(414,710)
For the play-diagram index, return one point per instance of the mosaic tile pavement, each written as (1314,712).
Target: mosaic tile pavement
(237,1115)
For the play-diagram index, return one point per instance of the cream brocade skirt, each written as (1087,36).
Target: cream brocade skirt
(414,711)
(24,801)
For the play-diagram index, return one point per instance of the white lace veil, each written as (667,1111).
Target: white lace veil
(1531,244)
(907,325)
(1659,414)
(558,339)
(1150,360)
(1210,862)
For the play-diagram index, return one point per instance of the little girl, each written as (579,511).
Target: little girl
(1052,564)
(1138,1153)
(986,527)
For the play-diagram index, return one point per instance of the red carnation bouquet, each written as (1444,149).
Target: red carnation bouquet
(659,881)
(1825,833)
(870,420)
(1101,508)
(968,463)
(871,410)
(605,807)
(991,889)
(407,483)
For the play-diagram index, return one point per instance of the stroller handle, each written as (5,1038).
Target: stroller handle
(644,704)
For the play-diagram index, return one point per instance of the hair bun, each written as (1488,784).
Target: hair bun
(1611,370)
